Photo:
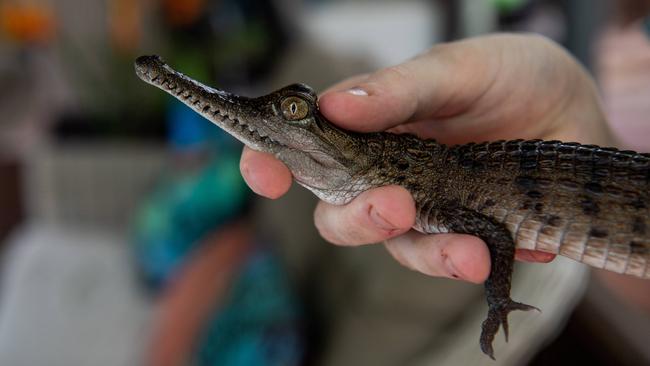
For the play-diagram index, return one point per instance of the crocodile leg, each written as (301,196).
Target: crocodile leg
(497,286)
(502,256)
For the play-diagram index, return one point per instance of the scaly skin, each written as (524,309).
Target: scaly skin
(584,202)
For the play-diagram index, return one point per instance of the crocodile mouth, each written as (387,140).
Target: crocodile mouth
(213,104)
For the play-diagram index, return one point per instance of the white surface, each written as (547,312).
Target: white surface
(478,17)
(387,32)
(69,298)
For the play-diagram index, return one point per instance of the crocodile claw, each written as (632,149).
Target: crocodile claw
(498,316)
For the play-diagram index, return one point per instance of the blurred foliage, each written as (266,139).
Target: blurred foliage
(28,23)
(232,42)
(183,12)
(510,5)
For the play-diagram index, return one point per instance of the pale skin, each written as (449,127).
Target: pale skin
(486,88)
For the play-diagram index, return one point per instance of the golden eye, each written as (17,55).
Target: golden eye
(294,108)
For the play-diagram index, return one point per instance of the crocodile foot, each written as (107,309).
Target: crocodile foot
(498,316)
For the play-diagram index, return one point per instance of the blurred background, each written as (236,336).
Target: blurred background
(127,236)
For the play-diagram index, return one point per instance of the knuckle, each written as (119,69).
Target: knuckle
(395,73)
(399,84)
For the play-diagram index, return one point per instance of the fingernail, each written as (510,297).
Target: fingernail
(525,256)
(358,91)
(542,257)
(380,221)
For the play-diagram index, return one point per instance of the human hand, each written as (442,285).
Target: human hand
(485,88)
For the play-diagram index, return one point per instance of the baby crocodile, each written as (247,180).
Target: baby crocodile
(584,202)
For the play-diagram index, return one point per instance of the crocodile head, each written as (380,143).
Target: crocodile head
(286,123)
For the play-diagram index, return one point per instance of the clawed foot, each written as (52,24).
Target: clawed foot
(498,316)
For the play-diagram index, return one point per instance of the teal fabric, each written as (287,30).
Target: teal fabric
(182,210)
(259,324)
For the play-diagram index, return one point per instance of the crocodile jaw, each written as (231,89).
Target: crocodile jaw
(318,154)
(234,114)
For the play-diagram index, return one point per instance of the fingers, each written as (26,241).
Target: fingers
(455,256)
(373,216)
(443,255)
(442,82)
(264,174)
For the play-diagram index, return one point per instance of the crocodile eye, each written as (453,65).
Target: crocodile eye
(294,108)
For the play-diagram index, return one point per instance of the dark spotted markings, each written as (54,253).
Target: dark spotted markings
(638,204)
(528,163)
(534,194)
(593,187)
(525,183)
(638,248)
(589,206)
(402,165)
(638,226)
(554,220)
(488,203)
(598,233)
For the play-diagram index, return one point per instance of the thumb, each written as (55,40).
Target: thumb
(443,82)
